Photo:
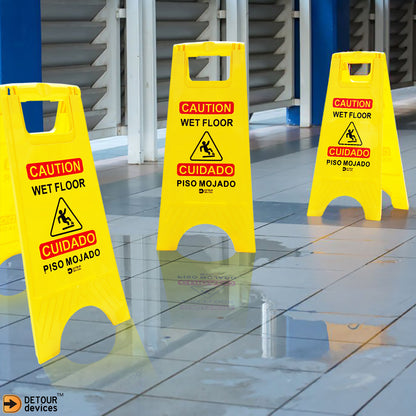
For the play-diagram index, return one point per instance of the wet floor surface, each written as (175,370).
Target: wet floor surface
(321,320)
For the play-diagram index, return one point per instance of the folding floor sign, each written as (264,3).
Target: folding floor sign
(63,234)
(358,152)
(207,172)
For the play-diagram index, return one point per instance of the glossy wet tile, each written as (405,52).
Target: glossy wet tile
(325,326)
(132,373)
(352,383)
(319,321)
(298,354)
(273,274)
(146,405)
(401,388)
(236,385)
(401,332)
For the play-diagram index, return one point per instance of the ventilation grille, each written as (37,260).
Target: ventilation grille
(68,53)
(270,54)
(177,22)
(359,29)
(401,36)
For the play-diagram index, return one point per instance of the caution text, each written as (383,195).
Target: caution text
(363,103)
(206,107)
(52,169)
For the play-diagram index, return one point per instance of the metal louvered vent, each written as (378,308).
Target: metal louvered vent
(359,29)
(177,22)
(68,53)
(401,37)
(270,54)
(414,42)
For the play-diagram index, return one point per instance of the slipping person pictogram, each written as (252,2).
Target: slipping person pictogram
(206,149)
(64,220)
(62,217)
(350,137)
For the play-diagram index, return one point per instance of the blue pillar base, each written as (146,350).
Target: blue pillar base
(20,51)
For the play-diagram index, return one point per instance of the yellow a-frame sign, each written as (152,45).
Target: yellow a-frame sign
(68,259)
(207,172)
(358,153)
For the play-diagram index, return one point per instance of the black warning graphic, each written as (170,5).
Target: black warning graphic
(350,136)
(64,221)
(206,149)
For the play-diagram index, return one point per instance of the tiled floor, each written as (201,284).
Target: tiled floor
(320,321)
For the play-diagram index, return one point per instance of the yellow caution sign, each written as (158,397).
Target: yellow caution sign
(9,235)
(67,252)
(358,152)
(207,173)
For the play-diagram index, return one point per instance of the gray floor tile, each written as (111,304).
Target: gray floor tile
(407,249)
(370,249)
(17,360)
(380,288)
(355,381)
(312,322)
(378,233)
(324,326)
(217,319)
(14,302)
(147,405)
(296,230)
(6,320)
(411,313)
(402,390)
(130,267)
(307,259)
(131,373)
(137,250)
(265,351)
(276,297)
(402,333)
(235,385)
(281,243)
(77,333)
(181,344)
(273,275)
(284,412)
(134,225)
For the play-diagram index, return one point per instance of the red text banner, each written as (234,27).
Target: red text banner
(342,151)
(206,107)
(205,169)
(53,169)
(360,103)
(65,245)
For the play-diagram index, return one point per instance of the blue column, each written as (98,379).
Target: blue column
(330,24)
(20,51)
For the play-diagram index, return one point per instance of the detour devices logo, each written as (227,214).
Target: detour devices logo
(11,403)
